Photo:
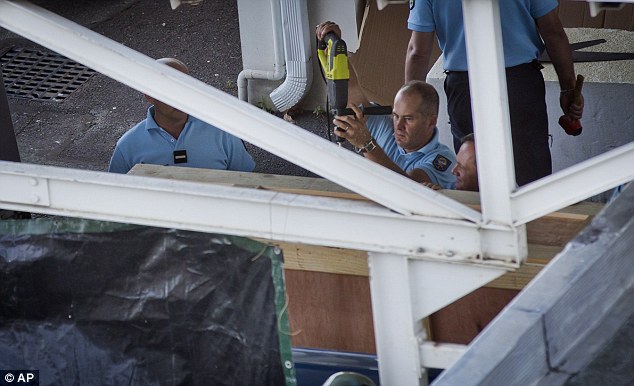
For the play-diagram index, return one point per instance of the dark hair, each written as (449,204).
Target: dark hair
(468,138)
(427,92)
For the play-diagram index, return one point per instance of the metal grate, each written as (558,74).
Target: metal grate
(33,74)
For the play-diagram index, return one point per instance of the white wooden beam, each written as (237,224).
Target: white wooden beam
(489,102)
(288,217)
(574,184)
(440,355)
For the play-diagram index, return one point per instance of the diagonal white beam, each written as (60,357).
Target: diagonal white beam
(232,115)
(489,102)
(574,184)
(288,217)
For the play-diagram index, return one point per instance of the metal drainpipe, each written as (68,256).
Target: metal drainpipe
(292,17)
(297,53)
(279,65)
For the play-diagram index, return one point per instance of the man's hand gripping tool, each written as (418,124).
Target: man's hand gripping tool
(333,57)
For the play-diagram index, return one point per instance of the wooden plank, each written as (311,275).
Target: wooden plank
(303,257)
(555,229)
(286,184)
(303,185)
(517,279)
(299,257)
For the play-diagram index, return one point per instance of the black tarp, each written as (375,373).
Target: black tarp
(97,303)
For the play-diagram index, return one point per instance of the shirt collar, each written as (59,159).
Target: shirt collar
(150,123)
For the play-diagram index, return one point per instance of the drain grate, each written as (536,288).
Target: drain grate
(39,75)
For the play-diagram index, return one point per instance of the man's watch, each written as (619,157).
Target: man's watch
(368,147)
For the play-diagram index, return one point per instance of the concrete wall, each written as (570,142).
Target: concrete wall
(608,119)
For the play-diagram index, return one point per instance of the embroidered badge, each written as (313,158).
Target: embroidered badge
(411,4)
(441,163)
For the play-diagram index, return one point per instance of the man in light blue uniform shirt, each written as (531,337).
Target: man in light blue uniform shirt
(528,26)
(434,158)
(171,137)
(407,142)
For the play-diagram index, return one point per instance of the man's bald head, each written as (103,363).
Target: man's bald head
(174,63)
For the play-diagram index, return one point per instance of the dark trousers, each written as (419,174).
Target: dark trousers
(8,144)
(529,119)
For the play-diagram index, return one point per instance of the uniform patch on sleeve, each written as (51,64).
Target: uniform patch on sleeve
(441,163)
(411,4)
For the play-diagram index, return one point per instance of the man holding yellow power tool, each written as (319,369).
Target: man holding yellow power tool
(405,142)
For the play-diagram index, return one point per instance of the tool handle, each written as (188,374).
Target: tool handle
(578,87)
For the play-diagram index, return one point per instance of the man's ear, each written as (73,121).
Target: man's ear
(433,120)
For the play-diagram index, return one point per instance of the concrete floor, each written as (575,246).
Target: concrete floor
(81,131)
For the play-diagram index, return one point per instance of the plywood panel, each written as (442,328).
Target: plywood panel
(334,312)
(330,311)
(463,320)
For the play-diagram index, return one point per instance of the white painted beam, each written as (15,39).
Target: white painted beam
(489,102)
(440,355)
(456,280)
(574,184)
(232,115)
(396,329)
(246,212)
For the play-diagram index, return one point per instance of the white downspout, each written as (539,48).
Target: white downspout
(297,51)
(279,65)
(291,18)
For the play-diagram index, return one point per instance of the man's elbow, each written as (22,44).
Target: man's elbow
(414,54)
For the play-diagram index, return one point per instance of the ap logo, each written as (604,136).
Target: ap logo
(19,377)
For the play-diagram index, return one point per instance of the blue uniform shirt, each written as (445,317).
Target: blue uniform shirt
(205,146)
(521,40)
(434,158)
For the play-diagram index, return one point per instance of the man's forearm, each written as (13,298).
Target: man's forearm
(378,156)
(558,48)
(418,56)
